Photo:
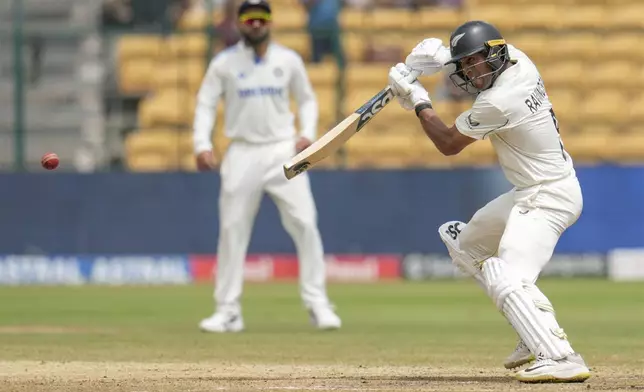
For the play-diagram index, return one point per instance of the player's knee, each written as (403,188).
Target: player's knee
(466,239)
(308,226)
(450,233)
(499,280)
(301,224)
(229,231)
(470,243)
(233,225)
(476,245)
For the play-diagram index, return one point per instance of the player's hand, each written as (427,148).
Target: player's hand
(429,56)
(206,161)
(301,144)
(409,94)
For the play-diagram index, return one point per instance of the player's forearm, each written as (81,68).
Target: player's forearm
(202,127)
(308,113)
(438,132)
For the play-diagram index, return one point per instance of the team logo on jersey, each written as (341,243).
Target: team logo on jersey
(278,72)
(241,75)
(471,122)
(456,39)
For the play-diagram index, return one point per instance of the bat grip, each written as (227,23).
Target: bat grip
(413,75)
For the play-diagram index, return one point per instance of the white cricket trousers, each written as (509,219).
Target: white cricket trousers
(523,226)
(247,171)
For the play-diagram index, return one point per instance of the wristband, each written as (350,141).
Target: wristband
(422,106)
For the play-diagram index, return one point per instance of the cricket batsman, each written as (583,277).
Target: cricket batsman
(506,244)
(256,78)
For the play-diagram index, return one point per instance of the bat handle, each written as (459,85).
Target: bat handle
(413,75)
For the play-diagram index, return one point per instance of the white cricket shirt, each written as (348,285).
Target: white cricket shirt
(517,116)
(257,96)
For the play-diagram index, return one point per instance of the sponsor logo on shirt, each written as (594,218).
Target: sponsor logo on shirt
(260,91)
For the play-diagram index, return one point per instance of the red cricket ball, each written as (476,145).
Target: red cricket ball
(50,161)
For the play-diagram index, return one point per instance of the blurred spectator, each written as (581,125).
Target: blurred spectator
(210,4)
(176,9)
(117,13)
(450,3)
(144,13)
(413,4)
(436,3)
(227,29)
(324,29)
(359,4)
(378,53)
(394,3)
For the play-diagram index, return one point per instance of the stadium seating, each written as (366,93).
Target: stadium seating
(588,53)
(136,56)
(197,20)
(153,150)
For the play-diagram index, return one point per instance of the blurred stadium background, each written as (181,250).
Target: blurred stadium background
(110,85)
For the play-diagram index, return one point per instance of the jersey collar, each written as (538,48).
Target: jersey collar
(249,50)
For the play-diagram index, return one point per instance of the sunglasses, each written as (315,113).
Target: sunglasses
(254,18)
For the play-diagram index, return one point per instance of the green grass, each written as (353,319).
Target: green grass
(438,322)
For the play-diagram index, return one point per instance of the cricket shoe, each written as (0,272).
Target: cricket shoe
(519,357)
(569,369)
(222,322)
(323,317)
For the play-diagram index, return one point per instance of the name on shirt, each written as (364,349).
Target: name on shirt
(536,98)
(260,91)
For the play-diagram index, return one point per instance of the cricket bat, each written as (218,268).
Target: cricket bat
(331,141)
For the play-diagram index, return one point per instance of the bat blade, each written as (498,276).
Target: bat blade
(336,137)
(333,140)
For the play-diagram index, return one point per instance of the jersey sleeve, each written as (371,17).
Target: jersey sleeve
(483,119)
(208,97)
(301,87)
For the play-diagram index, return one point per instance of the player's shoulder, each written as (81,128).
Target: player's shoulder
(486,105)
(514,84)
(227,55)
(495,98)
(286,52)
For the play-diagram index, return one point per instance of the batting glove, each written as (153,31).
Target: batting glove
(429,56)
(408,94)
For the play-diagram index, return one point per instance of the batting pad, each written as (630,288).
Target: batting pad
(536,327)
(449,233)
(540,300)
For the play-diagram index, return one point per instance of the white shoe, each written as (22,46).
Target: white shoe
(323,317)
(519,357)
(569,369)
(222,322)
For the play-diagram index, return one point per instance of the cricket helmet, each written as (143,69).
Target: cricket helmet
(477,37)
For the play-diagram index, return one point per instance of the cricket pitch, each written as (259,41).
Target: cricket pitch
(403,336)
